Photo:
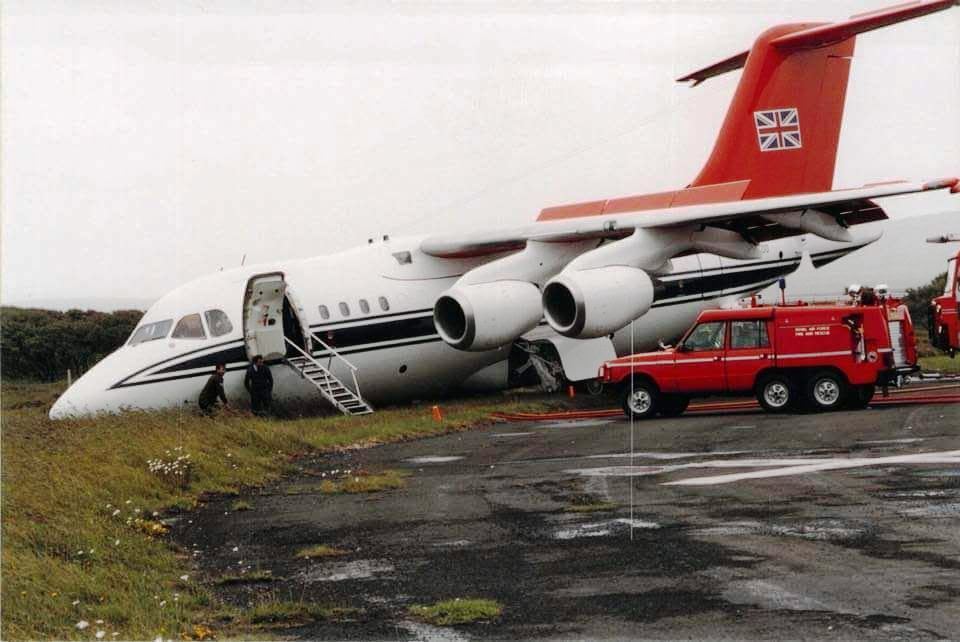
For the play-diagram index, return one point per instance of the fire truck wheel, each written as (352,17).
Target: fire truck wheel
(641,399)
(775,393)
(861,396)
(673,405)
(826,390)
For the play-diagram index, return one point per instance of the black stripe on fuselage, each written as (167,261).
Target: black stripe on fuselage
(419,330)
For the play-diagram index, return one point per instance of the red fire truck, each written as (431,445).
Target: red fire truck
(944,321)
(822,356)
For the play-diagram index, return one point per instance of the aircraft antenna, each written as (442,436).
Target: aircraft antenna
(243,259)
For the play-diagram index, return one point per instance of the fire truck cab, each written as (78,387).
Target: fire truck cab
(944,321)
(790,356)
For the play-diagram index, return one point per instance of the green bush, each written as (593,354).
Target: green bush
(40,345)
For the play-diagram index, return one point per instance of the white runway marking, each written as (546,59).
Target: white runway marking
(512,434)
(840,463)
(892,441)
(436,459)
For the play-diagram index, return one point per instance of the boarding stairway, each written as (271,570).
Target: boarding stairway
(346,400)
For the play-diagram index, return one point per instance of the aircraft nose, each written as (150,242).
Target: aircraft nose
(87,395)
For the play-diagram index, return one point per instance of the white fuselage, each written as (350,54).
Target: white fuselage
(389,336)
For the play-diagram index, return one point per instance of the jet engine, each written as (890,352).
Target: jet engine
(484,316)
(584,304)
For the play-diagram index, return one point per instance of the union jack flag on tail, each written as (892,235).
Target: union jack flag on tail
(778,129)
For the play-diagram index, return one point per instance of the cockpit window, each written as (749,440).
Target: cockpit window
(189,327)
(151,332)
(218,322)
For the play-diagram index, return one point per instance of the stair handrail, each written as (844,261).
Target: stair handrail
(333,351)
(311,359)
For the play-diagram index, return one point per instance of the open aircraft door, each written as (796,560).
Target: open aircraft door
(263,316)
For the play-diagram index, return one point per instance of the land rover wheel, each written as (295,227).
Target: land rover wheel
(775,393)
(640,399)
(826,390)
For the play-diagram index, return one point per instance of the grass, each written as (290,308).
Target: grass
(319,551)
(940,363)
(254,577)
(80,539)
(241,505)
(362,482)
(457,611)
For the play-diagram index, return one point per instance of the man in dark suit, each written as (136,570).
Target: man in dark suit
(259,383)
(213,390)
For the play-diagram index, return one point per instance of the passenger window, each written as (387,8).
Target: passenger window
(189,327)
(151,332)
(324,312)
(384,304)
(218,322)
(364,306)
(344,309)
(706,336)
(748,334)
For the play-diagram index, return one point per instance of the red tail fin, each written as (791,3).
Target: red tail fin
(782,127)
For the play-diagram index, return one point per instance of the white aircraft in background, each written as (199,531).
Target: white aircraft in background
(418,317)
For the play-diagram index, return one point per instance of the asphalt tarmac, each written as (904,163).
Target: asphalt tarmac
(833,526)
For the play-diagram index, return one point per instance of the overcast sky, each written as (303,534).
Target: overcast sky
(147,143)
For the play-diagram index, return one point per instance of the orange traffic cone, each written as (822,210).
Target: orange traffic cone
(437,414)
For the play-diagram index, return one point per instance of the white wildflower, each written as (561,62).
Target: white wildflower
(184,577)
(82,624)
(116,543)
(236,548)
(75,602)
(100,634)
(129,501)
(163,603)
(99,622)
(116,512)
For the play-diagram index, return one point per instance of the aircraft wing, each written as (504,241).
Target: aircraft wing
(826,214)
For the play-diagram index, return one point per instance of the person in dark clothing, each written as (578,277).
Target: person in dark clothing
(259,383)
(213,390)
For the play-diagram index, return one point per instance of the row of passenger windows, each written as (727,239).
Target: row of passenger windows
(188,327)
(345,307)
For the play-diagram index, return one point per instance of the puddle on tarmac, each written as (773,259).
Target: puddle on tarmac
(937,493)
(668,456)
(933,510)
(910,440)
(601,529)
(949,472)
(768,595)
(358,570)
(435,459)
(457,543)
(423,632)
(821,530)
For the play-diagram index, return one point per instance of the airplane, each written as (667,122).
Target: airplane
(421,316)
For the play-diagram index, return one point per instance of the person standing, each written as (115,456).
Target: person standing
(213,390)
(259,383)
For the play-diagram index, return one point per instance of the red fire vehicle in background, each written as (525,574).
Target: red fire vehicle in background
(822,356)
(944,321)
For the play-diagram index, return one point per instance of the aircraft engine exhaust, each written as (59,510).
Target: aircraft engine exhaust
(584,304)
(485,316)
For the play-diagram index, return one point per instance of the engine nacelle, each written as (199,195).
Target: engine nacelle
(584,304)
(483,316)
